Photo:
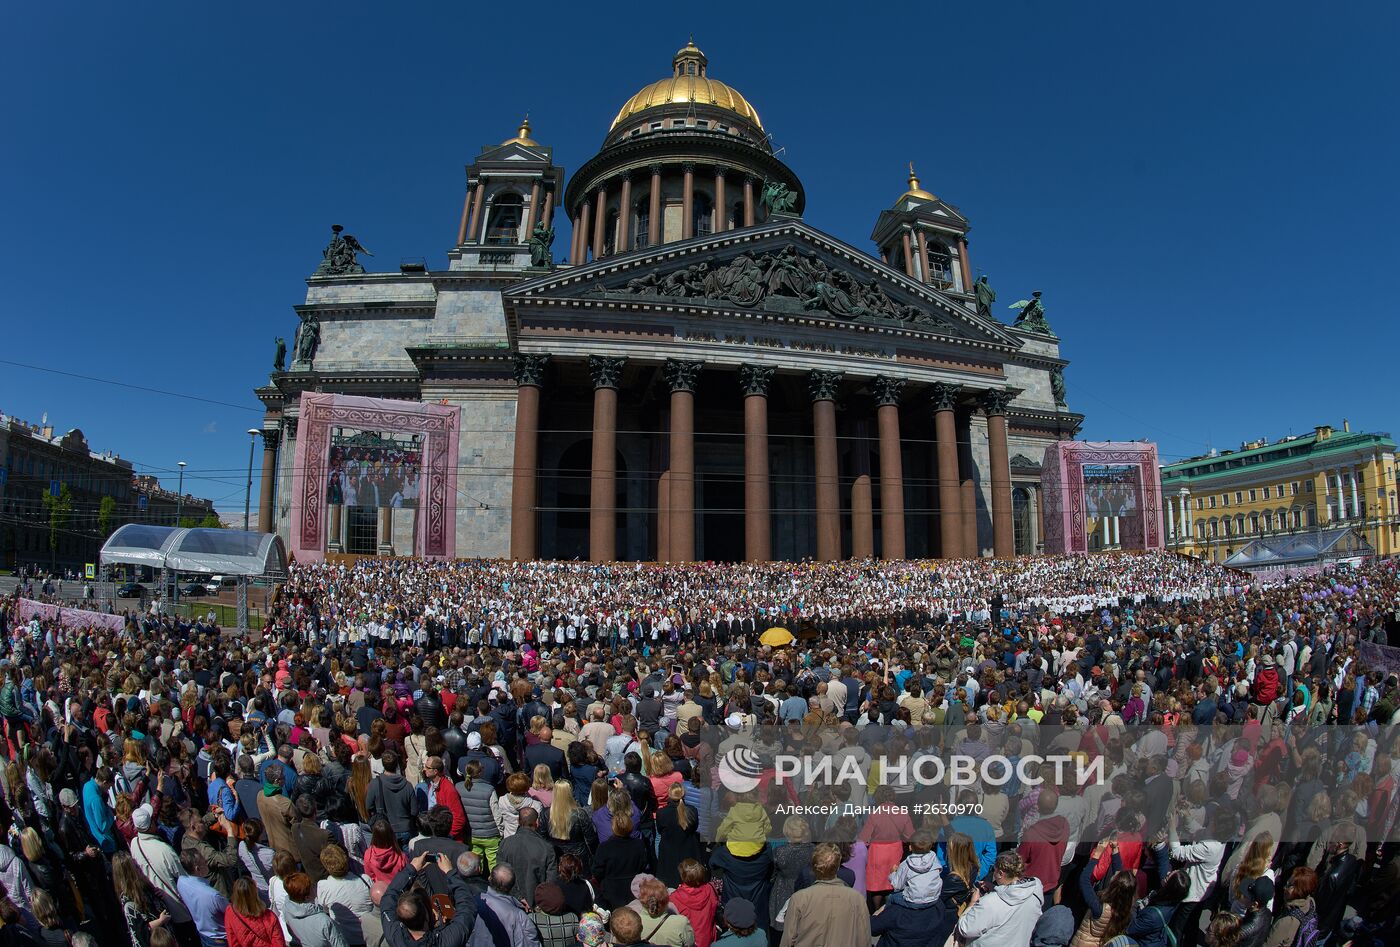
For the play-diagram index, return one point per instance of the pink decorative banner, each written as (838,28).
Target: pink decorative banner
(438,425)
(69,617)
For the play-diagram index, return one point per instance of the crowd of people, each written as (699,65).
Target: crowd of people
(483,754)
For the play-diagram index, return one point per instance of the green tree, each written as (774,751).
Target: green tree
(211,521)
(60,510)
(105,510)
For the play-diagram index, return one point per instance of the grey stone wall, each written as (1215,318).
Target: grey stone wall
(487,454)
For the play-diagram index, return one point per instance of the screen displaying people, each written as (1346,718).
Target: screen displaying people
(367,468)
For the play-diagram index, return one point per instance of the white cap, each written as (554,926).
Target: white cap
(473,741)
(734,721)
(141,818)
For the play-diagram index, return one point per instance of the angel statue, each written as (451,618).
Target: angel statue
(338,259)
(1032,317)
(777,198)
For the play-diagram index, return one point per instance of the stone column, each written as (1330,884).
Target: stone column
(862,503)
(474,228)
(823,387)
(682,377)
(575,231)
(654,209)
(923,257)
(524,492)
(1003,532)
(267,486)
(748,201)
(600,214)
(964,266)
(1341,500)
(967,485)
(583,232)
(945,398)
(721,221)
(1039,518)
(1190,518)
(548,216)
(758,542)
(386,531)
(887,392)
(337,530)
(1105,530)
(1355,499)
(688,202)
(533,214)
(602,494)
(624,216)
(908,256)
(466,217)
(663,517)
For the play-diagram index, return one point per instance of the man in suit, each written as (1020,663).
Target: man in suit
(545,752)
(529,856)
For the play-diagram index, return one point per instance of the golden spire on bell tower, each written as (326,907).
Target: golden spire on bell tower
(915,191)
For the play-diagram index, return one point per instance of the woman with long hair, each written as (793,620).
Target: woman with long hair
(1255,864)
(569,827)
(247,920)
(663,776)
(677,836)
(384,857)
(52,930)
(1108,913)
(1149,925)
(141,906)
(358,786)
(579,893)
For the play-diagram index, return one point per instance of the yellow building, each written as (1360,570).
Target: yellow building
(1215,505)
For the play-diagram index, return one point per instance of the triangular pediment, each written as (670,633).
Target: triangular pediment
(513,152)
(784,266)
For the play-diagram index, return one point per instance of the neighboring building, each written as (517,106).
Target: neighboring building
(34,463)
(1302,553)
(1216,504)
(697,313)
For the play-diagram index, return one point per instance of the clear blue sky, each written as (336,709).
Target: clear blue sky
(1204,192)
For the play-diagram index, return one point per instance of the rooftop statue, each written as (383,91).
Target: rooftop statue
(338,259)
(1032,317)
(541,239)
(777,198)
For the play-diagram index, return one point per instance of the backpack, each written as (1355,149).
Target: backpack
(1308,934)
(1167,932)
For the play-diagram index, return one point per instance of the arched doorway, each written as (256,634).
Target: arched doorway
(574,476)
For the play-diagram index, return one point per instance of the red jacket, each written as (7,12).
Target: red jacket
(1266,686)
(447,797)
(1044,848)
(245,931)
(698,905)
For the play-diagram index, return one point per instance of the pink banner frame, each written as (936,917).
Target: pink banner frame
(440,427)
(1062,487)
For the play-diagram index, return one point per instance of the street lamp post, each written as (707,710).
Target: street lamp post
(179,511)
(248,493)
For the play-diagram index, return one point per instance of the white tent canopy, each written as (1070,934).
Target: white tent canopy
(212,551)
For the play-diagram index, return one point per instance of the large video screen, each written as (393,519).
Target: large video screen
(369,468)
(1110,489)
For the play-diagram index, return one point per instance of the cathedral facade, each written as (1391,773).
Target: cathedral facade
(704,376)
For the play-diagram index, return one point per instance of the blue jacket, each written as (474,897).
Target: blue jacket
(984,841)
(100,821)
(901,924)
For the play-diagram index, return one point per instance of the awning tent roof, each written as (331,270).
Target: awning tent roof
(215,551)
(1299,549)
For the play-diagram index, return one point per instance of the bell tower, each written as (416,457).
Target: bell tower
(511,187)
(926,238)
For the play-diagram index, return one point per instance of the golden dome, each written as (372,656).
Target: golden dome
(688,84)
(915,192)
(522,137)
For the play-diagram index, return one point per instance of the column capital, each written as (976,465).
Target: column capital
(681,375)
(529,369)
(754,379)
(606,371)
(750,179)
(655,169)
(721,169)
(944,396)
(290,426)
(887,390)
(270,438)
(996,400)
(823,385)
(688,167)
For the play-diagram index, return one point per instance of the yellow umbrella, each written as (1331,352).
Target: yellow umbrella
(776,637)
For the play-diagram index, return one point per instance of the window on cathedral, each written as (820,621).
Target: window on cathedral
(940,263)
(610,233)
(503,224)
(641,233)
(704,216)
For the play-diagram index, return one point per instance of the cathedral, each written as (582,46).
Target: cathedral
(697,375)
